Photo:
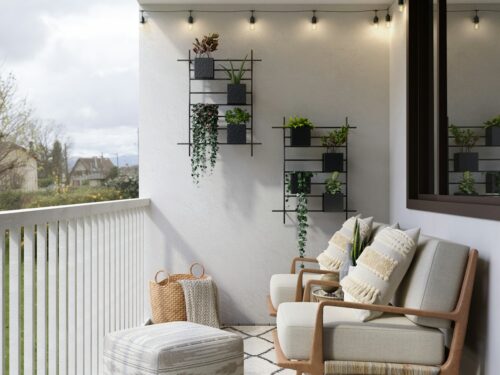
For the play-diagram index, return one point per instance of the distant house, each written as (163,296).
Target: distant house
(131,171)
(90,171)
(18,168)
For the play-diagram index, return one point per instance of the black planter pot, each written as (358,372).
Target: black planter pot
(237,134)
(300,137)
(492,180)
(493,136)
(204,68)
(294,184)
(333,203)
(333,161)
(466,161)
(236,94)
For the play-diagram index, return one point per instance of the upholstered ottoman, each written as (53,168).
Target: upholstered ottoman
(173,349)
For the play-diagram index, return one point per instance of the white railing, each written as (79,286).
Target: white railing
(68,276)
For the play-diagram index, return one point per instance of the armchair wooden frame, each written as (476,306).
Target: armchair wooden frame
(459,316)
(299,290)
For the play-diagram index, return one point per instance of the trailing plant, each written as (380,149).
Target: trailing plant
(299,122)
(335,138)
(465,138)
(208,44)
(237,116)
(466,186)
(358,244)
(333,185)
(205,146)
(235,76)
(492,123)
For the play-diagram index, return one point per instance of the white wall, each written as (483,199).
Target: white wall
(339,70)
(483,340)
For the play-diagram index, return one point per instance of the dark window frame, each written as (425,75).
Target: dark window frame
(420,119)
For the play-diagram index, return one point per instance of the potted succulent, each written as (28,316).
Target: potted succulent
(299,182)
(237,120)
(465,160)
(493,131)
(203,62)
(300,131)
(466,186)
(334,161)
(493,182)
(333,198)
(205,145)
(236,91)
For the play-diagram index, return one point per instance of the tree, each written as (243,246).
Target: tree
(57,161)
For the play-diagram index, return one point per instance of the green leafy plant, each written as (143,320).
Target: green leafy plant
(206,46)
(465,138)
(299,122)
(358,244)
(466,186)
(335,138)
(333,185)
(492,123)
(235,76)
(205,145)
(237,116)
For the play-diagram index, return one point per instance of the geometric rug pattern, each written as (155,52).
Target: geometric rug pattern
(259,350)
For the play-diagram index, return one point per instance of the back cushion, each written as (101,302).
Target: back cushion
(434,279)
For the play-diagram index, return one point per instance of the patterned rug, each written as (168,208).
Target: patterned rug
(259,350)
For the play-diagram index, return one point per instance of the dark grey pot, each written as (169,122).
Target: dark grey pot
(294,184)
(466,161)
(333,161)
(237,94)
(300,137)
(493,136)
(492,183)
(204,68)
(237,134)
(333,203)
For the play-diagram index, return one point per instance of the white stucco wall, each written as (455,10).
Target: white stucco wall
(341,69)
(483,340)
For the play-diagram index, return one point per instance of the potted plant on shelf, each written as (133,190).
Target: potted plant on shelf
(205,145)
(300,131)
(493,131)
(466,186)
(237,120)
(203,62)
(333,198)
(299,182)
(236,91)
(334,161)
(493,182)
(465,160)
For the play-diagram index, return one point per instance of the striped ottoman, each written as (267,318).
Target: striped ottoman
(173,349)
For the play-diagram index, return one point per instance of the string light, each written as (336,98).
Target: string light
(375,19)
(252,21)
(142,19)
(314,21)
(401,4)
(388,20)
(476,21)
(190,20)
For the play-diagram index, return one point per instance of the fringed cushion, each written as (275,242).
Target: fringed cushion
(380,269)
(375,368)
(336,254)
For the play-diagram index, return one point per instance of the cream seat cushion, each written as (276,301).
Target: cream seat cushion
(389,338)
(283,286)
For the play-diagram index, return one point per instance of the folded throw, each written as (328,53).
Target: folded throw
(201,301)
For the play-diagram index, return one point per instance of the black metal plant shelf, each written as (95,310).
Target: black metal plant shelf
(286,159)
(250,92)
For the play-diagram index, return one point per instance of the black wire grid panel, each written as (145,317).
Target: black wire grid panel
(250,105)
(286,160)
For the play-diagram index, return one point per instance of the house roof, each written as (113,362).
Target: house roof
(94,165)
(11,146)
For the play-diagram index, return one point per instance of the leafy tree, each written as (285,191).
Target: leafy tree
(57,161)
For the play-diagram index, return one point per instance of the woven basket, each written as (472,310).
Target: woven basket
(167,296)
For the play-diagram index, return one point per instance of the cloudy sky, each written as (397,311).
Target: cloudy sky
(77,63)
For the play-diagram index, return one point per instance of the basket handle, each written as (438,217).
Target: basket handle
(202,270)
(161,271)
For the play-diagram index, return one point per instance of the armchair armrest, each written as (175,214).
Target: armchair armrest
(300,289)
(310,283)
(299,259)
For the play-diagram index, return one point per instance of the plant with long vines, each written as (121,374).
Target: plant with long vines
(303,179)
(205,146)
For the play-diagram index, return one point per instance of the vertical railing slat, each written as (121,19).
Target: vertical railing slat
(14,300)
(95,291)
(100,294)
(41,295)
(63,297)
(72,318)
(2,298)
(87,315)
(52,308)
(107,273)
(80,299)
(121,257)
(112,273)
(29,300)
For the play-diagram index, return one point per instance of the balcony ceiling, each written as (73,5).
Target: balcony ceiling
(294,2)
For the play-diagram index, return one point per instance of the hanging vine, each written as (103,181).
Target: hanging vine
(205,146)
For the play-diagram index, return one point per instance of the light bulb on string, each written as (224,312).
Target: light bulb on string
(375,20)
(190,20)
(388,20)
(314,21)
(401,5)
(252,21)
(476,21)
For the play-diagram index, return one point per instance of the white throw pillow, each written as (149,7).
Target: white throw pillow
(380,269)
(336,254)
